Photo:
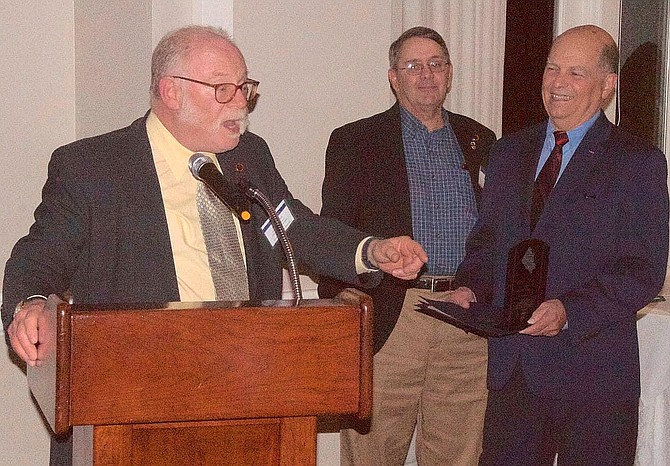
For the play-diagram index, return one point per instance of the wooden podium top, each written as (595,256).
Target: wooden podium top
(204,361)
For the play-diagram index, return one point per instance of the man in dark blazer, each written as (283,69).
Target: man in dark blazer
(118,221)
(569,383)
(372,183)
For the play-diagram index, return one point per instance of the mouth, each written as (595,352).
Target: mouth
(560,97)
(233,125)
(237,124)
(430,88)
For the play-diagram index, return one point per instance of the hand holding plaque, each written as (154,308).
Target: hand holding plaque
(525,286)
(526,281)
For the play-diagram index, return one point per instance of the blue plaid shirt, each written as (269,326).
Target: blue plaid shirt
(443,203)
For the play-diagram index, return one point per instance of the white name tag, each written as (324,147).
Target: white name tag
(285,216)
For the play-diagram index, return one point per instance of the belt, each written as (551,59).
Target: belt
(434,283)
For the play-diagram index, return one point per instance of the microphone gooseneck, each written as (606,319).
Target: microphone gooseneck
(254,193)
(236,198)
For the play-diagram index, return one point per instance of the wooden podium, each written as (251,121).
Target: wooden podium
(198,384)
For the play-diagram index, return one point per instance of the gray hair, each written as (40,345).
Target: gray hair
(173,49)
(418,31)
(609,58)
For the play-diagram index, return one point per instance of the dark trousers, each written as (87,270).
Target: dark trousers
(61,450)
(523,429)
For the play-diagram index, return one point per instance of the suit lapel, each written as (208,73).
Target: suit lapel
(575,178)
(237,164)
(383,148)
(590,152)
(139,204)
(468,140)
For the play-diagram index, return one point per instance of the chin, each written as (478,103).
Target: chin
(558,113)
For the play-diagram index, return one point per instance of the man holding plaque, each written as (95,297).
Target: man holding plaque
(569,382)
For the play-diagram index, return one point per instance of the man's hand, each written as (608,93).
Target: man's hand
(401,256)
(547,320)
(461,296)
(24,331)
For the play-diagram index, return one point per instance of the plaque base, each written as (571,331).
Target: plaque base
(481,319)
(525,286)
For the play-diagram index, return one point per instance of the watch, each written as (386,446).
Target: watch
(364,253)
(19,306)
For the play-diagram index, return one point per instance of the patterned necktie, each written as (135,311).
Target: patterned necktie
(547,178)
(223,247)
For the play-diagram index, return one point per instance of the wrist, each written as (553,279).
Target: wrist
(23,302)
(366,253)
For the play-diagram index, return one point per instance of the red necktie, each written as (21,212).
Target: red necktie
(547,178)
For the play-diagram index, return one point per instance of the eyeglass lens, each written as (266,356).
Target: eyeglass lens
(226,92)
(433,66)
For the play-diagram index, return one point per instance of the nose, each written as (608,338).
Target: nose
(239,100)
(559,80)
(426,71)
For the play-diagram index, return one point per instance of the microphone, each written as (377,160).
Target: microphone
(236,198)
(203,168)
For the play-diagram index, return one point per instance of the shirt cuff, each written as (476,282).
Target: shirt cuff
(363,264)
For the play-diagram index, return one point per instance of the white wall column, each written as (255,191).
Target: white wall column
(475,35)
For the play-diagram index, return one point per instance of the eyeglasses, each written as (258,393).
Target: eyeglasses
(415,69)
(225,92)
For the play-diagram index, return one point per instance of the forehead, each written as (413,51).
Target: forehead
(420,47)
(576,50)
(215,57)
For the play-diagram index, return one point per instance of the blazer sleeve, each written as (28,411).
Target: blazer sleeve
(43,261)
(326,246)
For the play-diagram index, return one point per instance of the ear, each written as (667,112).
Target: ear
(393,79)
(609,86)
(449,75)
(170,92)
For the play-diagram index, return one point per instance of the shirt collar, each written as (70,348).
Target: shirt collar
(413,124)
(174,153)
(575,135)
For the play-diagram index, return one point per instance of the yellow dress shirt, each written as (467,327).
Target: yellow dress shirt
(178,188)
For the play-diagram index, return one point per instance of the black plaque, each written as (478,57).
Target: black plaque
(526,280)
(525,286)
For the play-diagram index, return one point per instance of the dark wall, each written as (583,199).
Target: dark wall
(641,89)
(529,33)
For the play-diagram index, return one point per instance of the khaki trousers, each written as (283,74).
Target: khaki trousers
(429,375)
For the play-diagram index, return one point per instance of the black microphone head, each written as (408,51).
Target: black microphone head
(204,169)
(196,162)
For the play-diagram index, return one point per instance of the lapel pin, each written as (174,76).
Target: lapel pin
(473,142)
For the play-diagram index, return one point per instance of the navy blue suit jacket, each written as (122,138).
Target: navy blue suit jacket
(606,224)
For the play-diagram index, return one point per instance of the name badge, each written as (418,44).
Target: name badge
(285,216)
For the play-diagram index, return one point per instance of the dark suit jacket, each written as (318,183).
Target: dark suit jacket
(101,232)
(606,224)
(366,186)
